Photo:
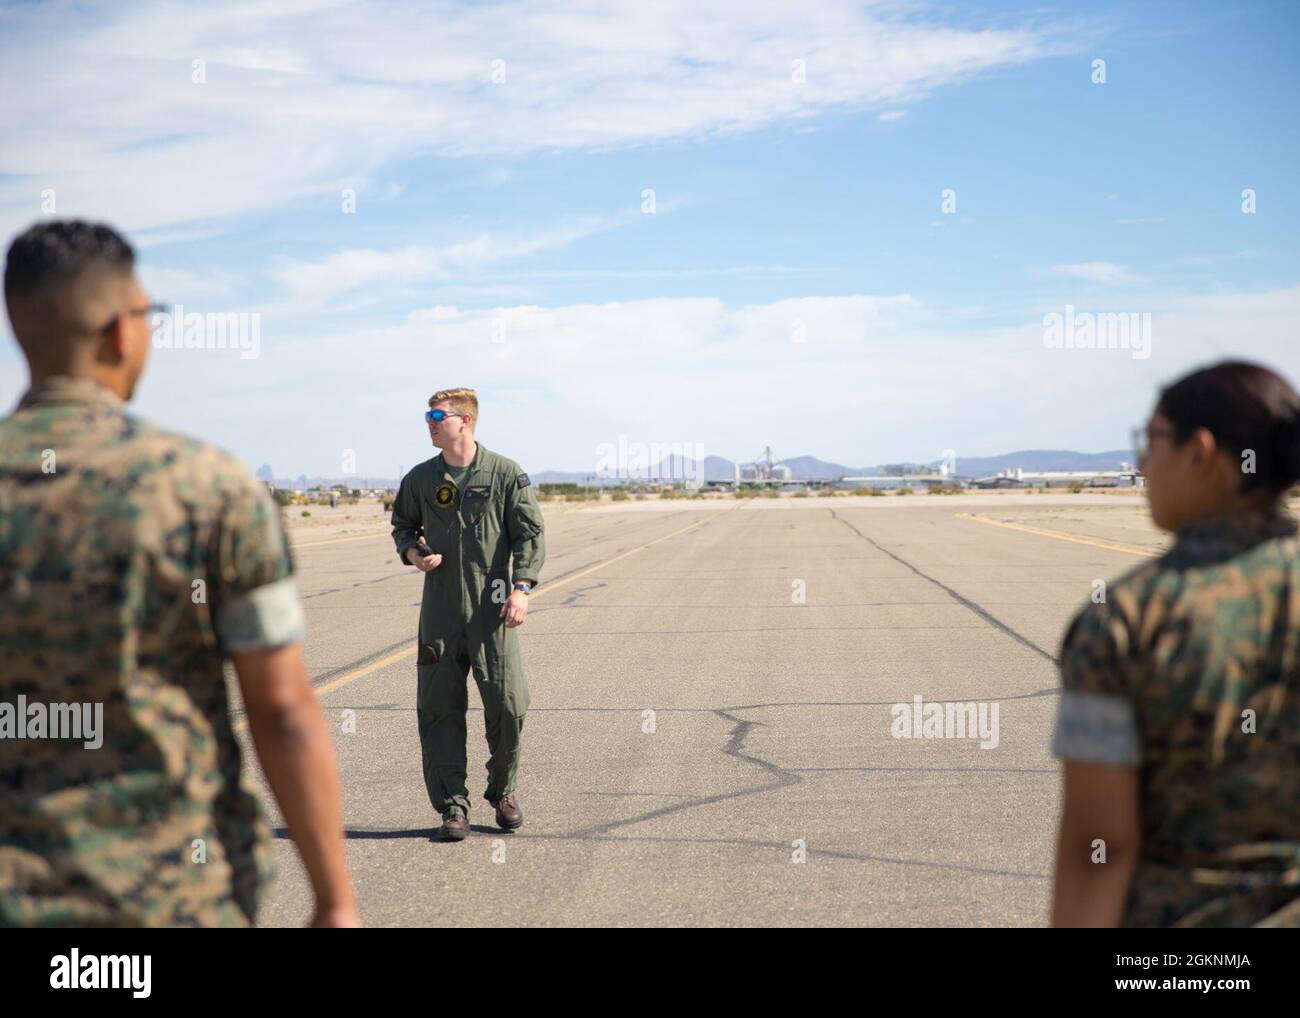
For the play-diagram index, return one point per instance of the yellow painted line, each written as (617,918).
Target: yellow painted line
(361,673)
(1108,545)
(398,655)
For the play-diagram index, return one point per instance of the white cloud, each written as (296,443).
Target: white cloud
(889,115)
(313,284)
(1098,272)
(876,379)
(304,98)
(181,285)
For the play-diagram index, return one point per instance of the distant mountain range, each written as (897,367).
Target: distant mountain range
(810,468)
(804,468)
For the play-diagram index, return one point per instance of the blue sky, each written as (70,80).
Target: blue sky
(797,284)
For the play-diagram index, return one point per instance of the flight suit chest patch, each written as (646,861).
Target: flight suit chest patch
(477,491)
(444,496)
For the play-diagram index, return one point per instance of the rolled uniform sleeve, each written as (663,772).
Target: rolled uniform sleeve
(1097,719)
(525,529)
(255,601)
(406,519)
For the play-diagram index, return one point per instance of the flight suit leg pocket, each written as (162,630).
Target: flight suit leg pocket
(436,694)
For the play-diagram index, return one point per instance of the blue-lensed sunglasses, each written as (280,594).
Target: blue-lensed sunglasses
(440,415)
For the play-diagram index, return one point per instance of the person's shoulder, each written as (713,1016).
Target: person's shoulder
(1220,570)
(1277,553)
(1133,589)
(422,472)
(497,464)
(176,446)
(1112,616)
(195,467)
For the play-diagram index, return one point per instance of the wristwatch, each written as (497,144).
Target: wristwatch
(524,585)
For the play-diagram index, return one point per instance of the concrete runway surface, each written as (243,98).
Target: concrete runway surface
(765,788)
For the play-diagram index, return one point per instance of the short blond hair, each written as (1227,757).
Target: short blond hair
(463,401)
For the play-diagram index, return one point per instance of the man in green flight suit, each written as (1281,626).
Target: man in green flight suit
(469,521)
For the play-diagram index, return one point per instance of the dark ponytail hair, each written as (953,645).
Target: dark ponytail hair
(1244,406)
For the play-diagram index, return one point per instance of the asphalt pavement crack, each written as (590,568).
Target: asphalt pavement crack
(978,609)
(735,748)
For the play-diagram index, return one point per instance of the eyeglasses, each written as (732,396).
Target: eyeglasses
(440,415)
(1141,439)
(150,309)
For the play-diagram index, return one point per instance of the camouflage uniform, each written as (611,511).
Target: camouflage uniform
(1158,678)
(480,532)
(106,524)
